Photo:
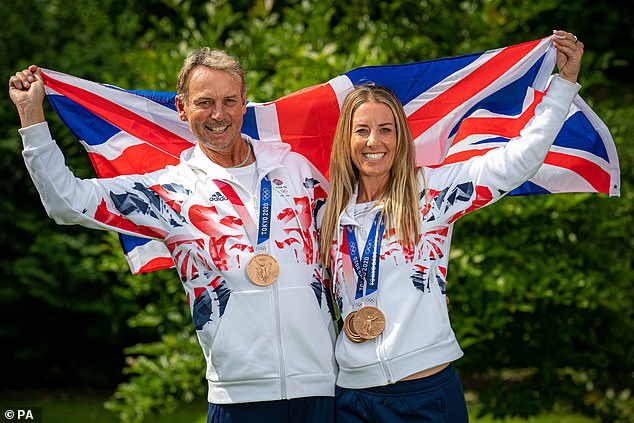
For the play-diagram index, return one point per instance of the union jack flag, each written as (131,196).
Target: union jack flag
(457,107)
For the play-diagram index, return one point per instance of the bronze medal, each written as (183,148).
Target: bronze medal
(348,328)
(263,269)
(369,322)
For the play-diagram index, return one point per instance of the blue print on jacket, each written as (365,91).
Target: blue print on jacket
(321,290)
(443,201)
(147,202)
(461,192)
(202,310)
(442,284)
(420,279)
(203,307)
(319,195)
(317,289)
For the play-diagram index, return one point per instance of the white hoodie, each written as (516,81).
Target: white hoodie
(260,343)
(411,287)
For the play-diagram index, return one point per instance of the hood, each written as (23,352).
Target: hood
(268,155)
(347,217)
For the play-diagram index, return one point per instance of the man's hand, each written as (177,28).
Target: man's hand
(26,89)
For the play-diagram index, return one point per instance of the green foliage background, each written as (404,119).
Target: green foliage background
(540,287)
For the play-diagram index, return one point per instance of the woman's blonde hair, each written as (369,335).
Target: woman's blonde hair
(400,196)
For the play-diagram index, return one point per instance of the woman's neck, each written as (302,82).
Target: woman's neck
(370,189)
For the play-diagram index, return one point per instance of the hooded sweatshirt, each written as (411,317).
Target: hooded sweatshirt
(260,343)
(411,290)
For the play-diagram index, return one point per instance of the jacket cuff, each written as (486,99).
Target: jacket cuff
(34,136)
(564,90)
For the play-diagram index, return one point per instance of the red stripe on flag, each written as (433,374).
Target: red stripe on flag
(426,116)
(508,127)
(122,118)
(137,159)
(156,264)
(588,170)
(592,173)
(314,110)
(463,156)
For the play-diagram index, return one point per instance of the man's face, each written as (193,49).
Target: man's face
(214,110)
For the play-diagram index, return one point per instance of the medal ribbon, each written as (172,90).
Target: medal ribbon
(266,196)
(264,226)
(367,276)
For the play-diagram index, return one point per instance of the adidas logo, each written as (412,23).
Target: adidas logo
(217,196)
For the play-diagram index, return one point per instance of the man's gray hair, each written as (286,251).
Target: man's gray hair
(214,59)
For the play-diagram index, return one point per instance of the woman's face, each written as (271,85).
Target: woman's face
(373,141)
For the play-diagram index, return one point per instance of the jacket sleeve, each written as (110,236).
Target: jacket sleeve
(120,204)
(506,168)
(461,188)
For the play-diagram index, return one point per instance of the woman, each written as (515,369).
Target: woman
(390,229)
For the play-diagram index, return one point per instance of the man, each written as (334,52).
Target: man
(238,217)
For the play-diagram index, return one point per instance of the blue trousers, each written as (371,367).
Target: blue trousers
(298,410)
(438,398)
